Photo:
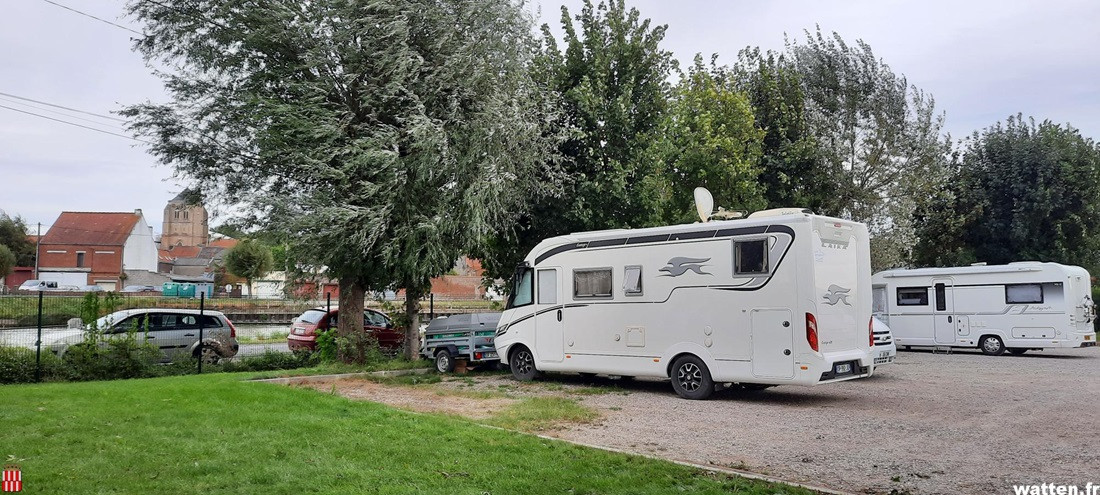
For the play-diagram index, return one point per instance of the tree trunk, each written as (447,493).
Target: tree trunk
(412,315)
(350,322)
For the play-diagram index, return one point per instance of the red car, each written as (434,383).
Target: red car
(303,331)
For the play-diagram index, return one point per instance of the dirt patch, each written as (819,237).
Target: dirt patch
(428,399)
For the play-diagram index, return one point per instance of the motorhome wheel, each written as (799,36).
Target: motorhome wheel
(444,362)
(691,378)
(992,346)
(523,364)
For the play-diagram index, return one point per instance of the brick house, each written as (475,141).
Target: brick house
(95,248)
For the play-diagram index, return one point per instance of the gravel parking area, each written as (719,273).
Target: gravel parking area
(932,423)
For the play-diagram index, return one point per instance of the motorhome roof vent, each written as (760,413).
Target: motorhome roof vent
(775,212)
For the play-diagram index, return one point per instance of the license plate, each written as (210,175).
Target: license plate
(843,368)
(884,354)
(299,331)
(492,355)
(1088,337)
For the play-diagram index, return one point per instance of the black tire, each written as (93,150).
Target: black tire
(755,387)
(1017,351)
(444,361)
(522,362)
(207,354)
(587,376)
(691,378)
(991,345)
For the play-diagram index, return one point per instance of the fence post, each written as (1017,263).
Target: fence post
(202,309)
(431,306)
(38,344)
(328,302)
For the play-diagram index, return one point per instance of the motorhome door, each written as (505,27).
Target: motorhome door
(772,343)
(549,317)
(943,313)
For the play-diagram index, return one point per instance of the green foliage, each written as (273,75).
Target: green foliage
(611,77)
(249,260)
(13,235)
(269,361)
(710,140)
(17,365)
(1020,191)
(326,345)
(878,136)
(7,261)
(126,355)
(792,173)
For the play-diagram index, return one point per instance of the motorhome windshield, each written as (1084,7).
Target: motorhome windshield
(522,288)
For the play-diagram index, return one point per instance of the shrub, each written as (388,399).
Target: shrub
(17,366)
(271,361)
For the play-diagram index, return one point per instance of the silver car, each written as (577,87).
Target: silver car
(174,331)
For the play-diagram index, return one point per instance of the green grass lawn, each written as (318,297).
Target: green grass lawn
(218,434)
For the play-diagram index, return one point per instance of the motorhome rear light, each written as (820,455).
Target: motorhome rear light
(477,355)
(811,331)
(871,331)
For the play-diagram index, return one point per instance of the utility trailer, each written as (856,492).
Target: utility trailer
(467,337)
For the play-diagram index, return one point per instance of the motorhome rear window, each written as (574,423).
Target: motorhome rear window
(750,257)
(632,280)
(912,296)
(1023,293)
(592,282)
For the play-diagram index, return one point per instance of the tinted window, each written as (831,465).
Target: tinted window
(1023,294)
(311,316)
(632,280)
(941,297)
(750,257)
(592,282)
(912,296)
(523,288)
(548,287)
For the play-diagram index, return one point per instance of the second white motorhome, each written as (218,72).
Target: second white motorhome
(1015,307)
(782,297)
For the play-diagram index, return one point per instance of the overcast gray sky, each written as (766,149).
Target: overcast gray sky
(981,60)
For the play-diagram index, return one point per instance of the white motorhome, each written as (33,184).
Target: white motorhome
(1015,307)
(781,297)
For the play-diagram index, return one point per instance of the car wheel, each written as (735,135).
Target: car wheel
(1017,351)
(991,345)
(523,364)
(691,378)
(208,355)
(444,362)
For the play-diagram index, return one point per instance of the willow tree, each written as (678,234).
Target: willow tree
(382,139)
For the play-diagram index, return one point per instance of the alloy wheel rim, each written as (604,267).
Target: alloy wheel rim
(690,377)
(992,344)
(523,362)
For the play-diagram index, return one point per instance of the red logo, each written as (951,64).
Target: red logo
(13,479)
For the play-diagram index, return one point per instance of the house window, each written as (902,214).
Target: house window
(632,280)
(177,214)
(79,259)
(185,215)
(750,257)
(912,296)
(1023,293)
(592,282)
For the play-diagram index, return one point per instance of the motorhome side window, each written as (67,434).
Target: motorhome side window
(592,282)
(523,289)
(750,257)
(632,280)
(1023,293)
(912,296)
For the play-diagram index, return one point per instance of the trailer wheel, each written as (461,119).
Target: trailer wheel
(523,364)
(1017,351)
(991,345)
(691,378)
(444,362)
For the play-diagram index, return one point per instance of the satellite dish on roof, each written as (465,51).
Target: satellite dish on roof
(704,203)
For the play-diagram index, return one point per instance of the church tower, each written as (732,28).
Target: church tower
(185,221)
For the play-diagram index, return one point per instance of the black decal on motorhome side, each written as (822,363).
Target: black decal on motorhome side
(659,238)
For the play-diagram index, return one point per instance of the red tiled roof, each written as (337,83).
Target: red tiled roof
(174,252)
(91,228)
(227,243)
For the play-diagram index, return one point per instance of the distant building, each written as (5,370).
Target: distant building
(96,248)
(185,221)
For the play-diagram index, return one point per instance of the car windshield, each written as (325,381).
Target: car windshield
(109,320)
(311,316)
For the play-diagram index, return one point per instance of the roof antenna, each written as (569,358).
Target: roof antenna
(704,205)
